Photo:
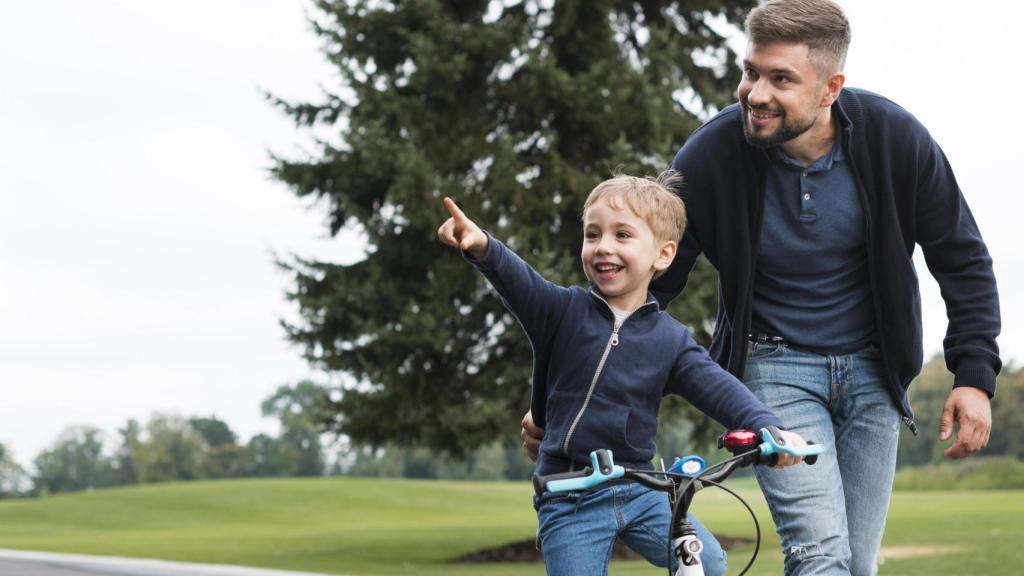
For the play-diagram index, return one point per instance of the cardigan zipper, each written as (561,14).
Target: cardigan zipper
(869,229)
(741,360)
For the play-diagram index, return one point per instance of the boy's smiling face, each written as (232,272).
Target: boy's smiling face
(620,254)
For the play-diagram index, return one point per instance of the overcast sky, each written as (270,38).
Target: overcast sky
(138,223)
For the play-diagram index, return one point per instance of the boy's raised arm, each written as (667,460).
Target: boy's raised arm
(461,232)
(537,303)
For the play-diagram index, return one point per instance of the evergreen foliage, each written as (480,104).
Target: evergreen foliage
(517,109)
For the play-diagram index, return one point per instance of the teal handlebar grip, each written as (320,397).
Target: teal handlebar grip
(604,469)
(771,443)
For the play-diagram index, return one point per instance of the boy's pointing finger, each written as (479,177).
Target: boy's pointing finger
(453,209)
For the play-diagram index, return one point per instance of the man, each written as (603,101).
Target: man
(808,199)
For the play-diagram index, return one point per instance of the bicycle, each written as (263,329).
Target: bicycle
(682,481)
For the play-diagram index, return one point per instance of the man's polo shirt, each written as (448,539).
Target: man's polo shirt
(811,284)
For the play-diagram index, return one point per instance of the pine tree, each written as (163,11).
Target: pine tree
(517,109)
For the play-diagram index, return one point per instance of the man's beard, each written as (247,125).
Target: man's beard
(788,131)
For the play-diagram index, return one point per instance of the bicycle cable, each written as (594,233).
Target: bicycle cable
(683,489)
(757,525)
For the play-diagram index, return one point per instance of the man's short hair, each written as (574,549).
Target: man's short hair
(651,199)
(820,24)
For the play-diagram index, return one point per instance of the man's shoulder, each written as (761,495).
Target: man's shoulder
(862,106)
(719,138)
(723,129)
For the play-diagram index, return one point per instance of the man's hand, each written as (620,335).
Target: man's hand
(971,410)
(794,440)
(531,435)
(460,232)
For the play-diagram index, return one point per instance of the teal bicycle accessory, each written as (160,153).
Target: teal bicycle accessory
(688,466)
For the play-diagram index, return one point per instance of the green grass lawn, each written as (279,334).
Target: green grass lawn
(379,527)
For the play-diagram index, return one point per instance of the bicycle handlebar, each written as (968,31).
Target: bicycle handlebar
(603,468)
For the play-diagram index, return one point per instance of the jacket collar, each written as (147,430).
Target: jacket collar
(651,305)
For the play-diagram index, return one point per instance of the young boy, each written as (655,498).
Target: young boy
(603,359)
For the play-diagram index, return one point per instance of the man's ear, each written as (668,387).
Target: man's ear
(833,87)
(666,254)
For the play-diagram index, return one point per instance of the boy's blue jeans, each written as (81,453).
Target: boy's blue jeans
(830,516)
(578,529)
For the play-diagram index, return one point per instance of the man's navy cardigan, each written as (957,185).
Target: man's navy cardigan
(910,197)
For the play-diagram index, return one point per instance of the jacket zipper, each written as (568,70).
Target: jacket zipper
(908,420)
(613,341)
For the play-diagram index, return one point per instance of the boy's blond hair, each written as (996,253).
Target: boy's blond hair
(651,199)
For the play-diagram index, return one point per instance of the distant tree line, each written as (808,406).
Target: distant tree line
(170,448)
(174,448)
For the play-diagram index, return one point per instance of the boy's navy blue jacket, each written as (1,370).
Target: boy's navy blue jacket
(910,197)
(595,387)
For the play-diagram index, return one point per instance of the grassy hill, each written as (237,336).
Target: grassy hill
(326,525)
(392,527)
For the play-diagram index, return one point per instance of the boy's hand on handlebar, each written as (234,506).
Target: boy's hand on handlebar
(792,439)
(461,232)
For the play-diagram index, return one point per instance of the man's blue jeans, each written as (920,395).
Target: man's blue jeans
(577,530)
(830,516)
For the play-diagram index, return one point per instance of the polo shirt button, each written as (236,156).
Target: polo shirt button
(807,196)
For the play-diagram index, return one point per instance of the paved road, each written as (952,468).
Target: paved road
(24,568)
(22,563)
